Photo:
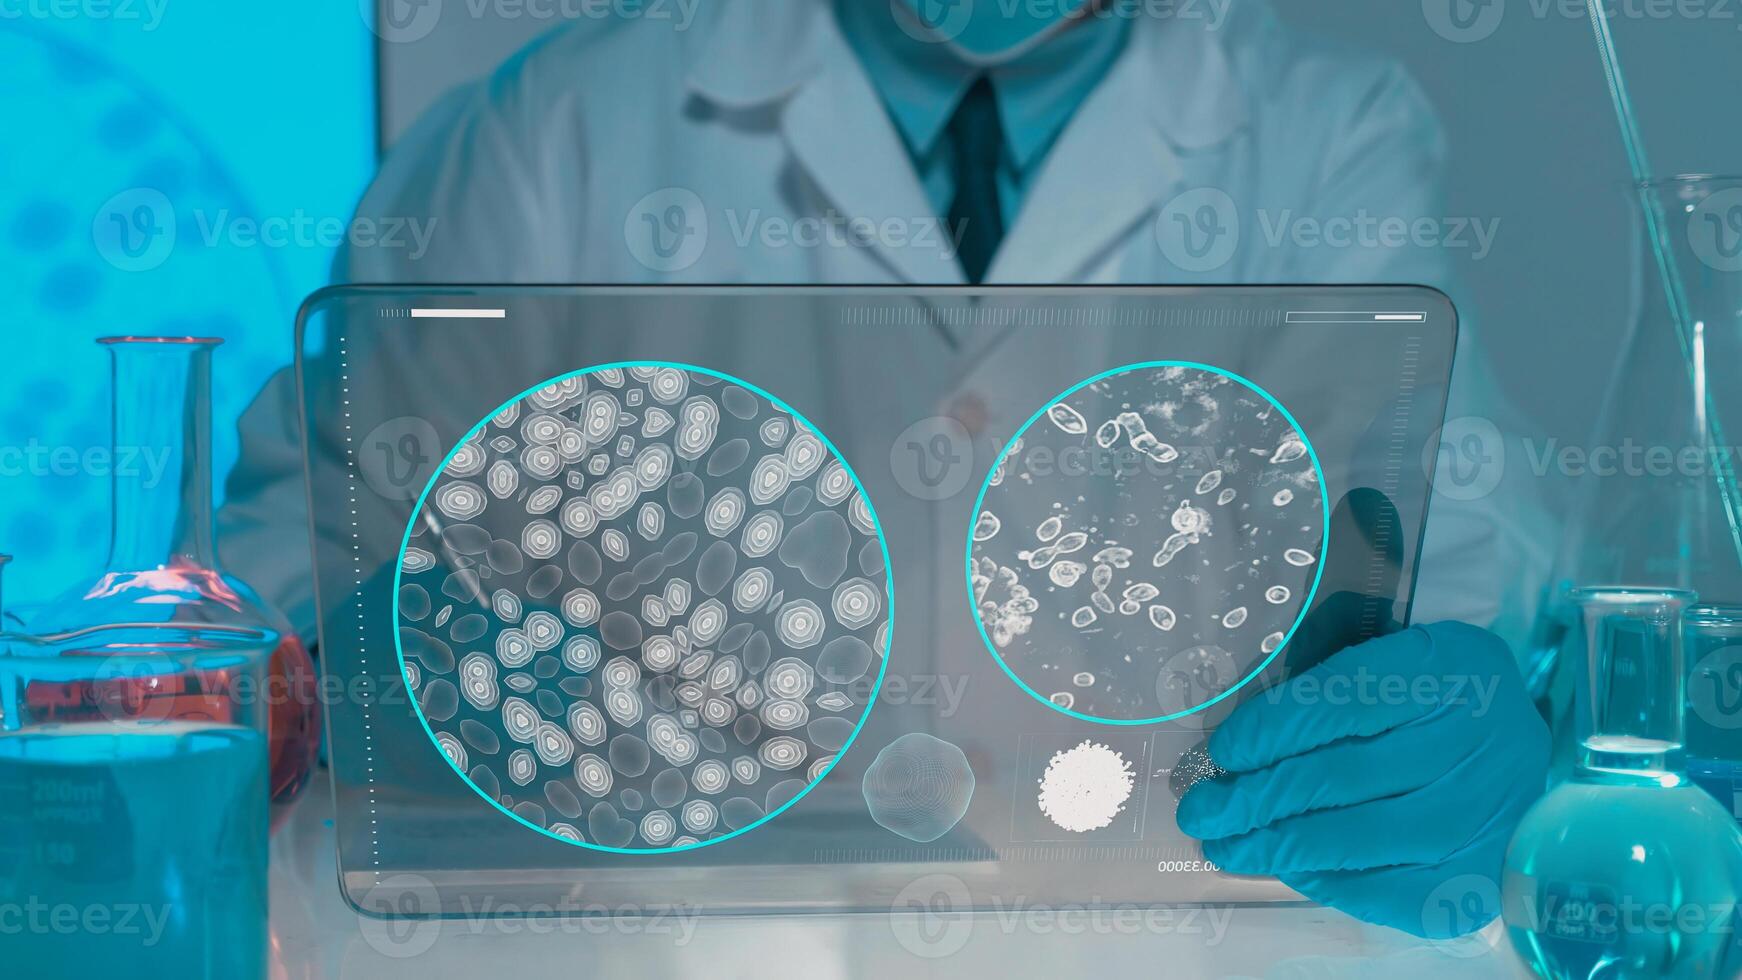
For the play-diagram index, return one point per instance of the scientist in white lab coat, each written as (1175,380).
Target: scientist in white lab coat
(930,141)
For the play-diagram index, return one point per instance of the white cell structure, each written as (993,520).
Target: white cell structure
(1085,787)
(762,534)
(856,603)
(800,624)
(660,586)
(460,501)
(478,686)
(918,787)
(1140,514)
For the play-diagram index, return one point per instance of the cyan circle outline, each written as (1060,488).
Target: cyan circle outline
(1318,573)
(888,585)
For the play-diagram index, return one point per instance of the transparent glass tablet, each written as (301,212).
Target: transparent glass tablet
(739,600)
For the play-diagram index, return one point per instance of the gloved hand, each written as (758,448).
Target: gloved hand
(1385,782)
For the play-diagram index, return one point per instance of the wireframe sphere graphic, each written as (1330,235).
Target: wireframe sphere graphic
(919,787)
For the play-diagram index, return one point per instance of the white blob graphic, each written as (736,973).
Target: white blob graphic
(1084,788)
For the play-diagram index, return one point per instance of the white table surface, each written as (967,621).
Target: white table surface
(317,936)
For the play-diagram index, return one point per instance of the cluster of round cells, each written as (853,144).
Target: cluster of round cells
(1146,541)
(643,607)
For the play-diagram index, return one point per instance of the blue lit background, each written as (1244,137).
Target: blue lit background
(183,115)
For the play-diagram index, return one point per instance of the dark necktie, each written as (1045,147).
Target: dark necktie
(977,138)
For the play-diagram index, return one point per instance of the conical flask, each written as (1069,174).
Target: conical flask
(1654,489)
(162,566)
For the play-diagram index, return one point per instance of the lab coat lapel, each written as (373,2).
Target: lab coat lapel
(791,55)
(838,132)
(1172,91)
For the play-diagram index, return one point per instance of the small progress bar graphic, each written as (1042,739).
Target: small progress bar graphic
(1327,316)
(423,313)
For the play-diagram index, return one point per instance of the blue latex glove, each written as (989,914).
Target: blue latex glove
(1385,782)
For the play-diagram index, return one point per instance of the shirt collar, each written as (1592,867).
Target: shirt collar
(1038,89)
(759,52)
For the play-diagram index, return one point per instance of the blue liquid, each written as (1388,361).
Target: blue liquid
(1722,779)
(133,850)
(1625,880)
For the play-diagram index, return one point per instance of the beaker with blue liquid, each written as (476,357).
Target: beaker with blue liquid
(134,803)
(1714,722)
(1627,869)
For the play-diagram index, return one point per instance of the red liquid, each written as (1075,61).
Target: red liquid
(293,725)
(293,711)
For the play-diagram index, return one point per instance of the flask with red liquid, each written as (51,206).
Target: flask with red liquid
(162,565)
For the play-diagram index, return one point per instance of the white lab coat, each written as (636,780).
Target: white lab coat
(542,174)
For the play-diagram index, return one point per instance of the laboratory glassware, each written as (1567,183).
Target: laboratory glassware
(1627,869)
(1713,637)
(1654,488)
(163,565)
(133,802)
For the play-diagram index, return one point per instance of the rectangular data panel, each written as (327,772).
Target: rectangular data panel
(784,599)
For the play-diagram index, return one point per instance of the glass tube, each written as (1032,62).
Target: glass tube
(1630,717)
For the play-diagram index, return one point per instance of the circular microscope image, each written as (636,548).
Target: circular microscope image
(643,607)
(1147,542)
